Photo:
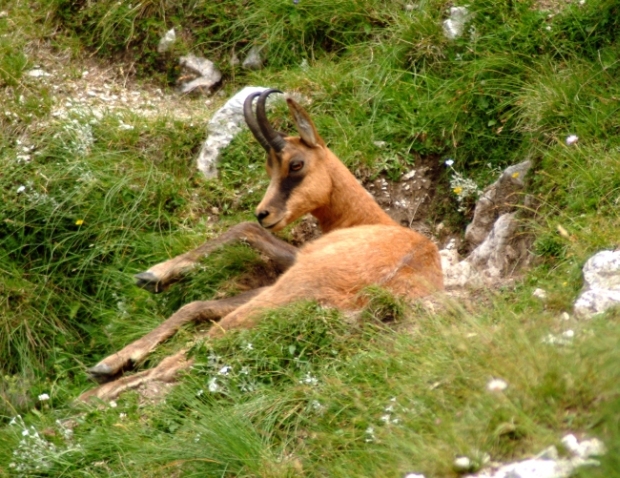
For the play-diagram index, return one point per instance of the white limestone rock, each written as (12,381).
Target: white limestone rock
(497,199)
(601,275)
(454,26)
(223,126)
(167,41)
(547,464)
(253,61)
(207,74)
(495,255)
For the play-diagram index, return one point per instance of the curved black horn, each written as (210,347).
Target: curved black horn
(250,120)
(274,138)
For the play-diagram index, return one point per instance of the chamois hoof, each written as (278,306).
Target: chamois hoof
(150,282)
(102,373)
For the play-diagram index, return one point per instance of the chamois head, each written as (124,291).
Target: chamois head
(297,166)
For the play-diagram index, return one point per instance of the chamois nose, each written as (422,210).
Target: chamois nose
(260,215)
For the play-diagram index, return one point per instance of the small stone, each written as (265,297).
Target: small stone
(253,61)
(208,73)
(585,449)
(454,26)
(497,385)
(462,464)
(540,294)
(37,73)
(409,175)
(602,284)
(167,41)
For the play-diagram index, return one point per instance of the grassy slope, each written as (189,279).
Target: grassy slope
(311,396)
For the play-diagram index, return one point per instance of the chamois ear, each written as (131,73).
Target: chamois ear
(305,126)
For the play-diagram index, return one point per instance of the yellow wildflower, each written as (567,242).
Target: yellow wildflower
(79,222)
(458,190)
(515,175)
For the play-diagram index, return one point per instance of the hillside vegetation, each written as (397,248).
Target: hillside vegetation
(90,198)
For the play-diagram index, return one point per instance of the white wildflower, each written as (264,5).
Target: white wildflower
(213,385)
(497,385)
(449,162)
(21,189)
(565,338)
(113,404)
(309,380)
(43,397)
(370,435)
(225,370)
(122,415)
(571,139)
(200,392)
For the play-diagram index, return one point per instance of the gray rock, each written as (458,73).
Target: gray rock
(38,73)
(498,248)
(495,256)
(222,128)
(207,74)
(601,275)
(253,61)
(547,464)
(457,273)
(454,26)
(540,294)
(497,199)
(167,41)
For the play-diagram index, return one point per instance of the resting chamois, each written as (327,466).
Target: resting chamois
(361,246)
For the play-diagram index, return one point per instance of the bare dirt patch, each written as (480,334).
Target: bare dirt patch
(409,200)
(104,88)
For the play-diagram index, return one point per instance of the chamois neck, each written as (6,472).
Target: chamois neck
(349,203)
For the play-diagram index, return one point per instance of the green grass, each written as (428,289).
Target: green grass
(86,204)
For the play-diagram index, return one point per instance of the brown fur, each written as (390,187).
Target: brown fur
(362,246)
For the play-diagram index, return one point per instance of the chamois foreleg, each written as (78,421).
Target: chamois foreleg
(165,372)
(135,352)
(161,275)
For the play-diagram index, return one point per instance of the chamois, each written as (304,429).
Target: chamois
(360,246)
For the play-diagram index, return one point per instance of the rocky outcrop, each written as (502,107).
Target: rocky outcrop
(601,275)
(222,128)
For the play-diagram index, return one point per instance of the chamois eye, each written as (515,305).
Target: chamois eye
(296,166)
